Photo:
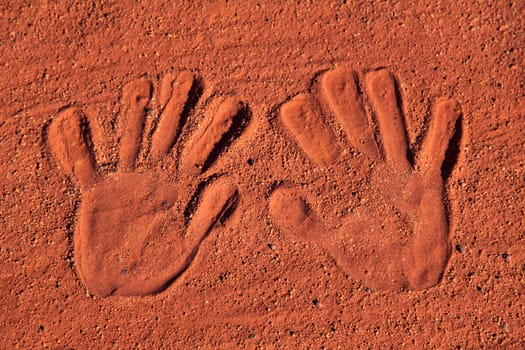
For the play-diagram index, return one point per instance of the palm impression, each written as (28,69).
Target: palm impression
(131,237)
(398,236)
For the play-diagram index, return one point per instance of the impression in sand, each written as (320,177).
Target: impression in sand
(398,236)
(138,228)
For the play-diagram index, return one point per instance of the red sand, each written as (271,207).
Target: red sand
(251,175)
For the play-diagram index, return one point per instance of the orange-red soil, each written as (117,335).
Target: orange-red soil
(262,175)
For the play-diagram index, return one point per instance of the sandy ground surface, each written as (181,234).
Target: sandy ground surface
(254,175)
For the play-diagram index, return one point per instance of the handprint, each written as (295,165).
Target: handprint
(131,237)
(399,238)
